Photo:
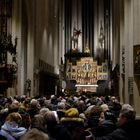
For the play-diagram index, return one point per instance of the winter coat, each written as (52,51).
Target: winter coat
(128,131)
(118,134)
(2,137)
(106,127)
(75,126)
(11,130)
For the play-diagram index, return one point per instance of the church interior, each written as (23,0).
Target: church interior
(70,47)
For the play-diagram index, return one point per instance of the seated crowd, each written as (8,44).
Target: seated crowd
(67,118)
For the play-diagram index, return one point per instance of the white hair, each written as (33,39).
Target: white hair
(104,107)
(61,105)
(43,111)
(127,107)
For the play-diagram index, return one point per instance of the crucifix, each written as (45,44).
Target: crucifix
(75,36)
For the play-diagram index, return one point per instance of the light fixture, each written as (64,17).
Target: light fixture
(80,85)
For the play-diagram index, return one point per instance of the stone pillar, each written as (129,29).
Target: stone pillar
(16,32)
(61,31)
(122,53)
(136,41)
(30,47)
(128,41)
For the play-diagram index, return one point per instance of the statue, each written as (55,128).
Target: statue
(28,86)
(75,36)
(87,50)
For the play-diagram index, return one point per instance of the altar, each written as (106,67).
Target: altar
(86,72)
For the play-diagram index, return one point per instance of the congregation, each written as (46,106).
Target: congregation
(81,117)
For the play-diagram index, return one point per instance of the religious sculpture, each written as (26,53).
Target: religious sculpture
(75,36)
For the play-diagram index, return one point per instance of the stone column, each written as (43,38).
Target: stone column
(136,41)
(16,32)
(122,53)
(128,41)
(30,43)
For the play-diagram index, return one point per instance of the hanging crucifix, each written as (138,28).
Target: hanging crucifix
(75,36)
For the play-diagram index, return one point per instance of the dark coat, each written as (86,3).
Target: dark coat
(128,131)
(118,134)
(75,127)
(106,127)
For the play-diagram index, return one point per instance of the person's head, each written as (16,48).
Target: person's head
(14,117)
(105,107)
(50,118)
(34,103)
(38,122)
(102,117)
(61,105)
(127,113)
(35,134)
(43,111)
(13,108)
(97,113)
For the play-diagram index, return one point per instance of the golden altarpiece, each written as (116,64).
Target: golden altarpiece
(86,72)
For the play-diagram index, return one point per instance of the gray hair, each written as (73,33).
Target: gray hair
(128,107)
(128,112)
(43,111)
(61,105)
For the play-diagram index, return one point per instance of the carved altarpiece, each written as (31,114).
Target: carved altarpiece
(86,73)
